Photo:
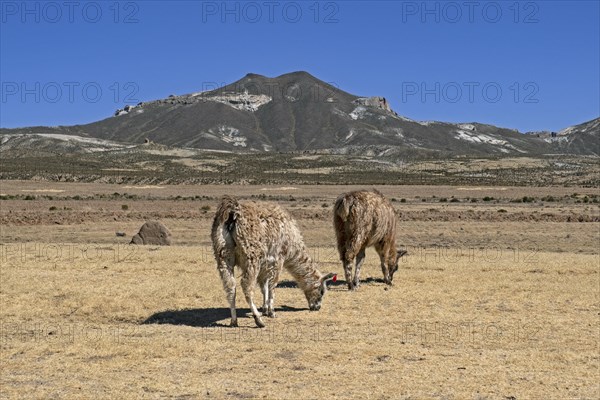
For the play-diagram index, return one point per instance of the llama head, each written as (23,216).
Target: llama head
(315,292)
(399,254)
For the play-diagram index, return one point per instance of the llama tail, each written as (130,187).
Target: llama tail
(227,210)
(341,210)
(223,227)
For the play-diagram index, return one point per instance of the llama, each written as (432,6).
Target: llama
(362,219)
(261,238)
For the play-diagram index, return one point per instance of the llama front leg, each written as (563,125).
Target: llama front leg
(228,280)
(270,307)
(360,257)
(386,271)
(264,287)
(248,283)
(272,279)
(385,267)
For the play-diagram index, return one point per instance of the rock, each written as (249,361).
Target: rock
(120,234)
(376,101)
(152,232)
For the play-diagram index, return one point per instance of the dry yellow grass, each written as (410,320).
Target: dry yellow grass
(479,310)
(459,326)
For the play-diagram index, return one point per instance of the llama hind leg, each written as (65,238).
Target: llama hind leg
(248,283)
(228,279)
(348,273)
(360,258)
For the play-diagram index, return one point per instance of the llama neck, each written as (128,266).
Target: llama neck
(303,270)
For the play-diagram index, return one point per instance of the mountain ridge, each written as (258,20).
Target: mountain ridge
(298,112)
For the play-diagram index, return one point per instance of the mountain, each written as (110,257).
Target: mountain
(298,112)
(578,139)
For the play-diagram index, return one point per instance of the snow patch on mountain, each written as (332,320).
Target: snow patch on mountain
(242,101)
(358,113)
(231,135)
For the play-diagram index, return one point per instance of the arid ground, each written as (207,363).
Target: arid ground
(498,298)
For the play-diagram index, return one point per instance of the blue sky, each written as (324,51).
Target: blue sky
(528,65)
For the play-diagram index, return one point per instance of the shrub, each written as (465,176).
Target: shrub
(454,200)
(443,199)
(402,200)
(205,208)
(488,198)
(474,200)
(502,210)
(527,199)
(124,207)
(52,208)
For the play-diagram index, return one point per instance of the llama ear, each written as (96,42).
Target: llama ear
(401,253)
(329,277)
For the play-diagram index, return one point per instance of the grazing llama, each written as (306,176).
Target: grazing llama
(362,219)
(261,238)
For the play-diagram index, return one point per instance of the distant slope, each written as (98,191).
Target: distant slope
(297,112)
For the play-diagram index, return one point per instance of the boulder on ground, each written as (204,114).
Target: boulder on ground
(152,232)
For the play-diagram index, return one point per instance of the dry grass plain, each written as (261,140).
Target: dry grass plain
(481,308)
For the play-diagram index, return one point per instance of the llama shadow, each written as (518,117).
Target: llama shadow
(372,280)
(204,317)
(294,284)
(340,282)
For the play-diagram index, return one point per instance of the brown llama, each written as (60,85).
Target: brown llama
(261,238)
(362,219)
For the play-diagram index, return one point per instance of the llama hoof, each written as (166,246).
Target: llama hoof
(233,324)
(270,314)
(259,322)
